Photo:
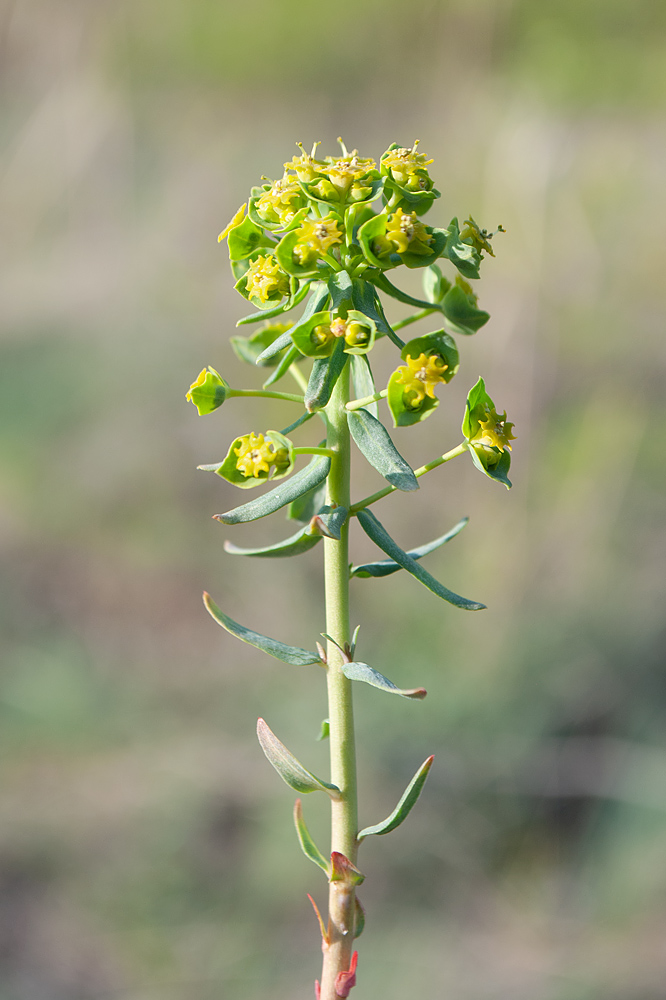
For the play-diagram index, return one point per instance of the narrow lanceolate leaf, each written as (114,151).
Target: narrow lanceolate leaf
(305,507)
(308,846)
(385,567)
(290,769)
(404,806)
(296,544)
(284,340)
(307,479)
(356,671)
(374,442)
(325,373)
(380,536)
(364,383)
(315,303)
(293,354)
(288,654)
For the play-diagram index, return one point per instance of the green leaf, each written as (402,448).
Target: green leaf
(311,476)
(288,654)
(436,246)
(291,303)
(304,417)
(370,236)
(308,846)
(385,567)
(248,349)
(246,238)
(340,288)
(459,306)
(316,302)
(278,345)
(325,730)
(328,522)
(295,545)
(364,383)
(306,506)
(292,355)
(381,281)
(404,806)
(376,531)
(366,301)
(435,285)
(288,767)
(465,257)
(374,442)
(325,373)
(208,392)
(357,671)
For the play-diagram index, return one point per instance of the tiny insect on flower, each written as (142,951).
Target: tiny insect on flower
(420,376)
(257,455)
(266,280)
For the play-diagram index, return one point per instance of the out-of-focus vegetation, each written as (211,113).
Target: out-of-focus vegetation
(145,850)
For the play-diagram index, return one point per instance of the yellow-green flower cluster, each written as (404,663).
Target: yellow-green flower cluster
(256,455)
(419,377)
(265,279)
(494,431)
(281,202)
(404,233)
(335,178)
(316,237)
(408,168)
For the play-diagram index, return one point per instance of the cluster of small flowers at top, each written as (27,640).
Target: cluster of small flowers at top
(256,455)
(281,203)
(494,431)
(420,376)
(335,178)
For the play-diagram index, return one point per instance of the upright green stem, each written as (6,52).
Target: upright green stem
(344,813)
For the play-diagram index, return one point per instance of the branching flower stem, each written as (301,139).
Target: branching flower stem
(460,450)
(291,397)
(414,318)
(358,404)
(344,813)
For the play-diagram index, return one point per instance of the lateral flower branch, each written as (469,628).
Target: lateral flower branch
(328,234)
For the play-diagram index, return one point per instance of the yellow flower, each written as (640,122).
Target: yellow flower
(236,221)
(343,171)
(420,376)
(305,166)
(495,431)
(405,230)
(281,202)
(319,235)
(256,455)
(266,280)
(408,168)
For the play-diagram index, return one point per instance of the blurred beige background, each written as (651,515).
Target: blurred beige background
(146,848)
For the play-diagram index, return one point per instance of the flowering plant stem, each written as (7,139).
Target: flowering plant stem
(315,231)
(344,812)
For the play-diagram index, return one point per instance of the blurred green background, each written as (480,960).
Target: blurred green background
(146,848)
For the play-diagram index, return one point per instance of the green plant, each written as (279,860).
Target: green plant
(316,233)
